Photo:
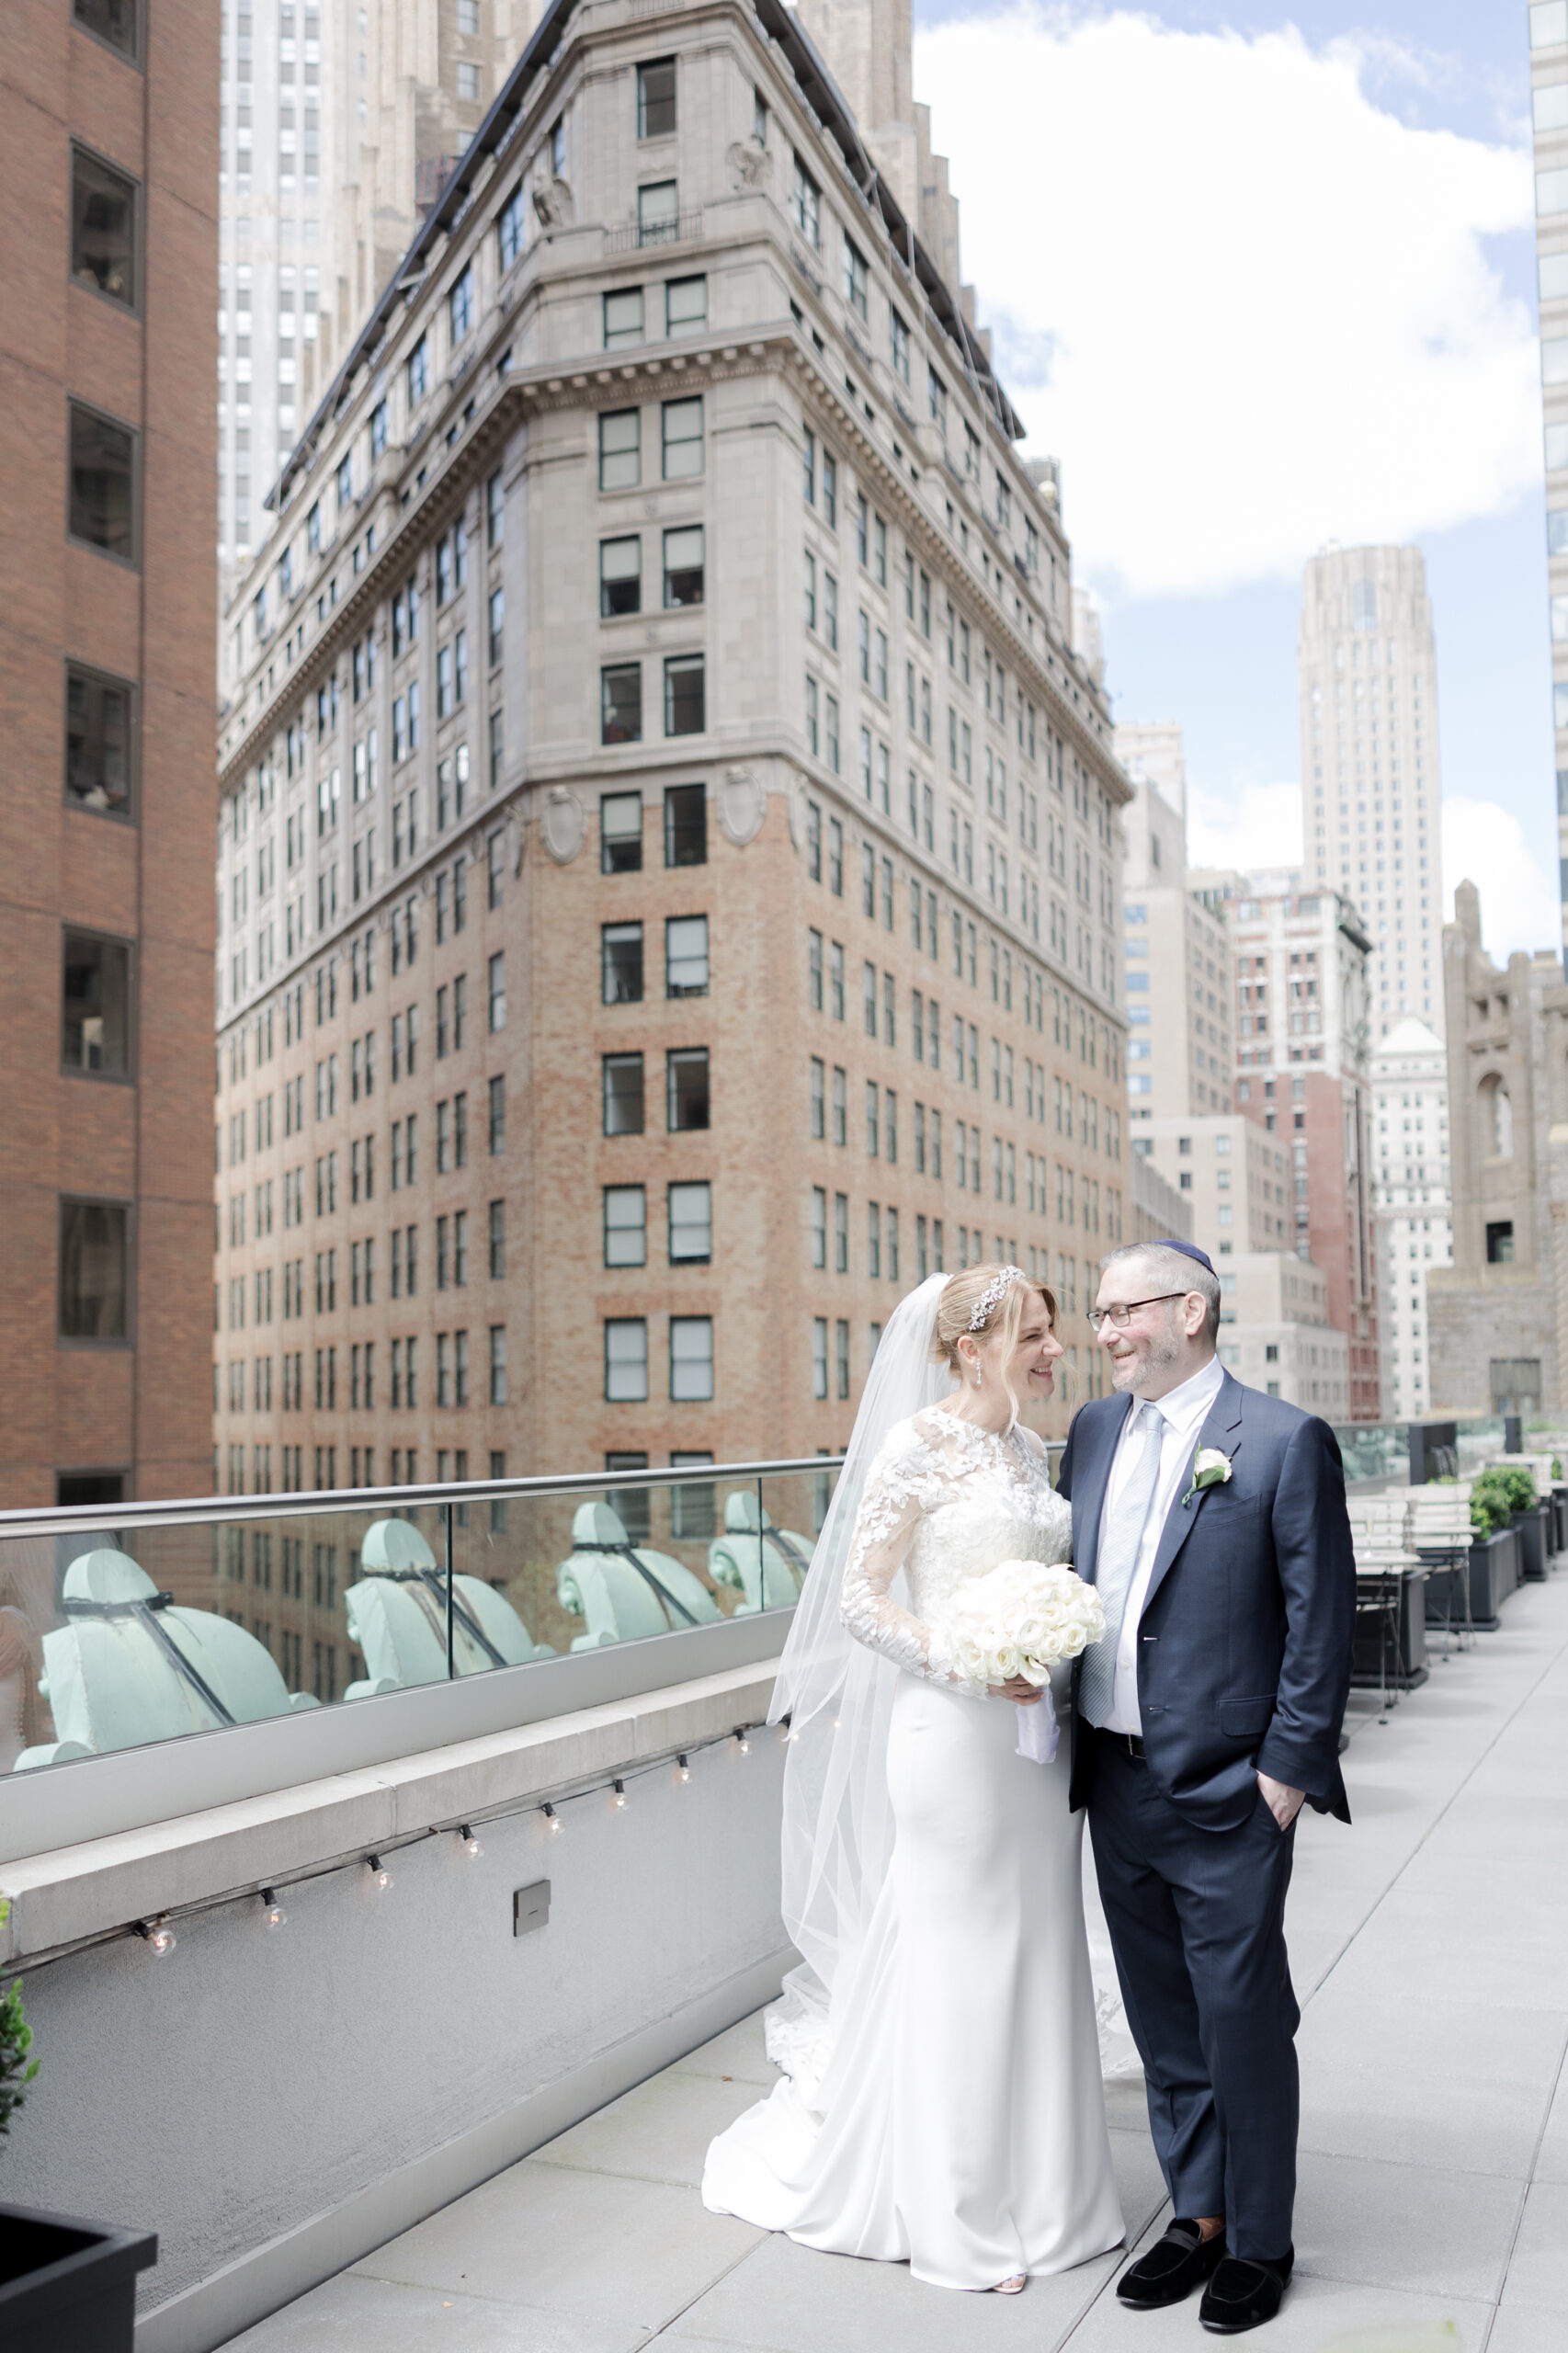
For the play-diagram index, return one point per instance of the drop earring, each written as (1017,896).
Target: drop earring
(977,1378)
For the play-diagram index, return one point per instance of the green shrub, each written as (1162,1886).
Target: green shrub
(1488,1511)
(1557,1466)
(16,2040)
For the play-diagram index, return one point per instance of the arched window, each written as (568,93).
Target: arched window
(1497,1118)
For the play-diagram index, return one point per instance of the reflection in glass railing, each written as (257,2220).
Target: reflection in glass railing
(188,1618)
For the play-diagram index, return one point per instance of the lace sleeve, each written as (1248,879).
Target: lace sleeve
(896,1492)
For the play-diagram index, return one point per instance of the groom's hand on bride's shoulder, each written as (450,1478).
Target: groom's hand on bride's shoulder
(1284,1802)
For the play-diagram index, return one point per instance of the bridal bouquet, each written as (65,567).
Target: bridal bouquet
(1021,1618)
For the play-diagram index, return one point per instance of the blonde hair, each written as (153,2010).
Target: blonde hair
(962,1295)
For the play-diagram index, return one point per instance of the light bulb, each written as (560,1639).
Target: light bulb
(683,1769)
(742,1743)
(159,1938)
(471,1844)
(275,1915)
(620,1793)
(379,1873)
(553,1819)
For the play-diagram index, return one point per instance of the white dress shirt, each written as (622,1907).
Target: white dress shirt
(1183,1412)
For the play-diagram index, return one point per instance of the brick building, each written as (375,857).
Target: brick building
(1304,1019)
(669,862)
(108,133)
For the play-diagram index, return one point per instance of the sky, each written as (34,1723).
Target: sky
(1260,278)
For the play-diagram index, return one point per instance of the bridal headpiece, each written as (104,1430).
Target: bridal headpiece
(995,1290)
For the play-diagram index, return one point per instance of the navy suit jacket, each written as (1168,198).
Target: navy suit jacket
(1245,1643)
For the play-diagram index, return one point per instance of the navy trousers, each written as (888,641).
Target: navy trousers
(1196,1924)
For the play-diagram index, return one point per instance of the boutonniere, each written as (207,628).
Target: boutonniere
(1210,1469)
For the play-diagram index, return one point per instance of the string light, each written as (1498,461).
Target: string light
(160,1936)
(379,1871)
(620,1795)
(742,1743)
(683,1770)
(553,1819)
(471,1844)
(275,1915)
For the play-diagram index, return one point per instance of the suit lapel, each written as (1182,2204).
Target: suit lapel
(1220,1428)
(1106,1430)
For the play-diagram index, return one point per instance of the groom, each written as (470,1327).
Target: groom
(1212,1520)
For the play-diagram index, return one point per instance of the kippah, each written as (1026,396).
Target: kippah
(1188,1250)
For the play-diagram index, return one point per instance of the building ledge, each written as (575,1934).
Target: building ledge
(76,1895)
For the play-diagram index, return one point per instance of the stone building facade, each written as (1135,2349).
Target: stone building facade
(1180,975)
(1499,1315)
(107,124)
(1275,1334)
(669,852)
(1410,1111)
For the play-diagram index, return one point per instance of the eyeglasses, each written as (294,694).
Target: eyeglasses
(1122,1316)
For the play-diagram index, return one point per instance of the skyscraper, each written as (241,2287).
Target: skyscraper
(106,792)
(340,120)
(1367,669)
(669,849)
(1180,976)
(1548,105)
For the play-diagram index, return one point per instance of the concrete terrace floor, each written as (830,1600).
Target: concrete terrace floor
(1429,1944)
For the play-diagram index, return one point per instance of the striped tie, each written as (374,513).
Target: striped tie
(1119,1544)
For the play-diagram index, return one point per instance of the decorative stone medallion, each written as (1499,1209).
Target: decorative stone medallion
(563,823)
(741,805)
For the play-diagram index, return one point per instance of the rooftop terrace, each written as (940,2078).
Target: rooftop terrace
(1430,1947)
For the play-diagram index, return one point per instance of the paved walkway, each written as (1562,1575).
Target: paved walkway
(1431,1949)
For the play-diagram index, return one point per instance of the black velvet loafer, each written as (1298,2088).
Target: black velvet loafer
(1171,2268)
(1244,2295)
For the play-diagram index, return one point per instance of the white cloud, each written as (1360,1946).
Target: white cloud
(1249,310)
(1484,845)
(1256,831)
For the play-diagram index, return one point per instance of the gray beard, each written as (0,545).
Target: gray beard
(1161,1355)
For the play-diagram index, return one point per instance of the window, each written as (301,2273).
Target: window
(496,1095)
(468,82)
(621,577)
(511,228)
(819,1228)
(497,616)
(103,229)
(626,1360)
(497,972)
(819,1072)
(118,23)
(620,449)
(656,98)
(686,305)
(623,1108)
(819,1356)
(683,566)
(625,1225)
(459,301)
(97,1000)
(898,339)
(841,1354)
(806,205)
(95,1289)
(685,695)
(498,1364)
(686,1088)
(620,687)
(691,1359)
(623,317)
(691,1224)
(621,951)
(856,277)
(97,743)
(419,371)
(685,956)
(686,825)
(103,466)
(620,833)
(680,432)
(658,213)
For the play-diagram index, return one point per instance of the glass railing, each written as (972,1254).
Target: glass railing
(1380,1451)
(134,1625)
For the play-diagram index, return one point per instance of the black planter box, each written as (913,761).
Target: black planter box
(1493,1574)
(1376,1660)
(68,2286)
(1560,1519)
(1535,1549)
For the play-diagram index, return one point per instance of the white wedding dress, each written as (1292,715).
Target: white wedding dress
(952,2115)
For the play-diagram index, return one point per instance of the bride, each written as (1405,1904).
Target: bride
(942,2102)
